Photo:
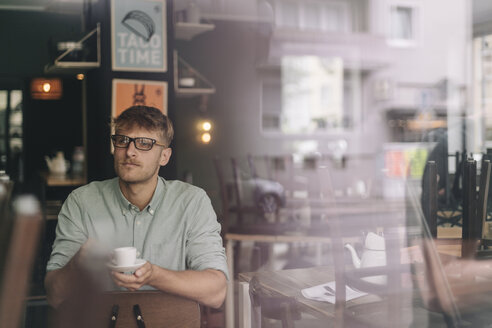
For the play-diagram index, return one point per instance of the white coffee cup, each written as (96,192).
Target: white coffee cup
(124,256)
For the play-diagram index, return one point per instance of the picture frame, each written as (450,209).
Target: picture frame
(139,35)
(127,93)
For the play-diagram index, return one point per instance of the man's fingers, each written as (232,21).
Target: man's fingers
(134,281)
(123,277)
(129,279)
(146,268)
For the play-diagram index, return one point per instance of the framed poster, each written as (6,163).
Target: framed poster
(139,35)
(128,93)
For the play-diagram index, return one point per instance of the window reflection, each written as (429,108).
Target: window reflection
(402,22)
(309,94)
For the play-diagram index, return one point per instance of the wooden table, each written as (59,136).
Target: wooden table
(232,238)
(289,283)
(350,208)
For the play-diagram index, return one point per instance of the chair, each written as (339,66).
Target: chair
(386,310)
(250,222)
(474,206)
(250,219)
(118,309)
(272,307)
(17,264)
(439,290)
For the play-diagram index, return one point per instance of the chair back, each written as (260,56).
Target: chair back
(483,195)
(238,190)
(6,221)
(474,205)
(19,259)
(429,198)
(123,309)
(438,290)
(386,275)
(224,195)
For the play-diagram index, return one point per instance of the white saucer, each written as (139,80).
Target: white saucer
(127,268)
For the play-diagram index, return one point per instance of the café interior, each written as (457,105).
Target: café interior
(366,204)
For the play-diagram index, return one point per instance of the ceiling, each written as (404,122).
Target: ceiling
(61,6)
(482,9)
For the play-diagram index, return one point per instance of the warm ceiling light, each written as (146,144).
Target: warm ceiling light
(206,126)
(206,137)
(80,76)
(46,88)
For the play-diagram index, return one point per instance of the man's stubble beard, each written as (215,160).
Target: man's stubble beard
(137,178)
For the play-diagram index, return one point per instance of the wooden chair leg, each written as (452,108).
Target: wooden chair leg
(256,258)
(237,253)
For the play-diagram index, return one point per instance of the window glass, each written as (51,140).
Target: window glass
(3,100)
(15,99)
(402,23)
(312,94)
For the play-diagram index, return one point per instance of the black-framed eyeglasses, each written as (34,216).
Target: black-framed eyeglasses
(141,143)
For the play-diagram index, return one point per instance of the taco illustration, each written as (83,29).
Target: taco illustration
(139,23)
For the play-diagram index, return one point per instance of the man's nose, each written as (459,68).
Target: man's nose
(131,150)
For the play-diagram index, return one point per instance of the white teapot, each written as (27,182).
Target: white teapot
(373,255)
(58,165)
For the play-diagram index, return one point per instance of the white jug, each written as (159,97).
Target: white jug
(58,165)
(373,255)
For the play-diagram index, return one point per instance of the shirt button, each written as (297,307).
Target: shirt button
(138,222)
(151,211)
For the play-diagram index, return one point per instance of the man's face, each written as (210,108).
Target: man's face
(139,166)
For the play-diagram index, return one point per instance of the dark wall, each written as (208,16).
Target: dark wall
(25,39)
(99,84)
(52,125)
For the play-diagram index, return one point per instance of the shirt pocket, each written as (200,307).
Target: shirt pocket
(167,255)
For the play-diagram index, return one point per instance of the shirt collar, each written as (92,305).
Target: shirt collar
(154,202)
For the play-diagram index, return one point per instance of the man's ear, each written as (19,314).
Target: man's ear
(165,156)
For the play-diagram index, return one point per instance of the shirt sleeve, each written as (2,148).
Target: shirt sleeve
(70,234)
(204,248)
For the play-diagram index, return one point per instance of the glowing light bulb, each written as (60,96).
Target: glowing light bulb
(206,137)
(206,126)
(80,76)
(46,87)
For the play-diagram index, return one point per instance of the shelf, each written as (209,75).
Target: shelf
(201,86)
(189,92)
(63,180)
(91,43)
(187,31)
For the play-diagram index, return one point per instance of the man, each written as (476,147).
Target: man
(171,223)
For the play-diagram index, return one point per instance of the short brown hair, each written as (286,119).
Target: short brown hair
(146,117)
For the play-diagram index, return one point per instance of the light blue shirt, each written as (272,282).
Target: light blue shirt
(178,230)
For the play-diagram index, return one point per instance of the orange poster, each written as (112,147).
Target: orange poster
(128,93)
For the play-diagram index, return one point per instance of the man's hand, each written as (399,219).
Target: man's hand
(138,279)
(207,287)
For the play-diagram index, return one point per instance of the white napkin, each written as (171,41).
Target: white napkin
(319,293)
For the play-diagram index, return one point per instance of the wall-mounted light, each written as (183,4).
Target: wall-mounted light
(46,89)
(204,129)
(206,126)
(206,137)
(80,76)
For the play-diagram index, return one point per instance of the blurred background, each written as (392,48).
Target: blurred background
(287,112)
